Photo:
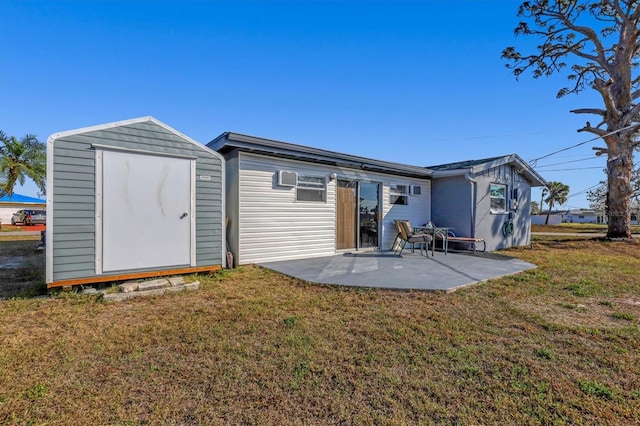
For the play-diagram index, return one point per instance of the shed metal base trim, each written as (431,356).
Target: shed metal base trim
(133,276)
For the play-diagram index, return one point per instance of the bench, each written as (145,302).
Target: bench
(471,241)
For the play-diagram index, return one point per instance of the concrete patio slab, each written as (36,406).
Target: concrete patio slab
(410,272)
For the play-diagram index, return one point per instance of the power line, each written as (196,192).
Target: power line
(535,160)
(584,190)
(576,168)
(590,158)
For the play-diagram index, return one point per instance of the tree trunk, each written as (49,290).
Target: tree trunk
(619,170)
(546,222)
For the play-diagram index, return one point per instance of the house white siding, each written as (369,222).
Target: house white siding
(273,226)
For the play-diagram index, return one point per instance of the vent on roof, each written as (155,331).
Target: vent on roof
(287,178)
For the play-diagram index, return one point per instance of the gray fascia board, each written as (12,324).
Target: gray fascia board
(242,142)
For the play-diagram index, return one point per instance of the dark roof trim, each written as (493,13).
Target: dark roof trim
(477,166)
(229,141)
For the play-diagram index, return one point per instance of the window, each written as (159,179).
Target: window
(398,194)
(311,188)
(498,195)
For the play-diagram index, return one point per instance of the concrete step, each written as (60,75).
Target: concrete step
(154,290)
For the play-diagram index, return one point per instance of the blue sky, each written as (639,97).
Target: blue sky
(416,82)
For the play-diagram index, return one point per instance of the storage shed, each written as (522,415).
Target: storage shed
(132,199)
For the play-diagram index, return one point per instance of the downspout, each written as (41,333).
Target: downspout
(472,181)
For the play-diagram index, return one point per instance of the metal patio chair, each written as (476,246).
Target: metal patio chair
(406,235)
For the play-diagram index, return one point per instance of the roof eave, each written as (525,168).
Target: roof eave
(229,141)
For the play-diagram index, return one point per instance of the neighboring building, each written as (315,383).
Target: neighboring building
(129,200)
(582,216)
(11,204)
(601,217)
(488,198)
(287,201)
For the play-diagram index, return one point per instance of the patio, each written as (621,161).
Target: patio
(411,272)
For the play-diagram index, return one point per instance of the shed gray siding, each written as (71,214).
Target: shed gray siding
(73,193)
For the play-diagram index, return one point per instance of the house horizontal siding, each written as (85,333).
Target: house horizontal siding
(417,210)
(74,194)
(273,226)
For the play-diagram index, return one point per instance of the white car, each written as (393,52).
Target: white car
(29,217)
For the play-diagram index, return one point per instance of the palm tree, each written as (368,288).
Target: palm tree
(20,159)
(557,192)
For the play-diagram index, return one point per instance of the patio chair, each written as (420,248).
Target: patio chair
(406,235)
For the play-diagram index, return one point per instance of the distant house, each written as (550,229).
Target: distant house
(488,198)
(601,217)
(582,216)
(11,204)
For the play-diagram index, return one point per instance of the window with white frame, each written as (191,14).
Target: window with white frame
(311,188)
(398,194)
(498,196)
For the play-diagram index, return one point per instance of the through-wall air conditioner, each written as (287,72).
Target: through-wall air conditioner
(287,178)
(415,190)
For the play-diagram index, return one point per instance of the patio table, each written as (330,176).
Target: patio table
(434,230)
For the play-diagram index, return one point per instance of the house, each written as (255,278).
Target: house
(601,216)
(131,199)
(287,201)
(11,204)
(581,216)
(488,198)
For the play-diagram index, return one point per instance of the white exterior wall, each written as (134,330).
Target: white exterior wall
(274,226)
(540,219)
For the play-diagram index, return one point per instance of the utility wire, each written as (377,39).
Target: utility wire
(567,162)
(535,160)
(576,168)
(584,190)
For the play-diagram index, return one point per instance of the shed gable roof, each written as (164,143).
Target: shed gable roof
(132,122)
(477,166)
(229,141)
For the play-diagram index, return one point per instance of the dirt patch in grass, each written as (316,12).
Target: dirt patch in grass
(22,267)
(256,347)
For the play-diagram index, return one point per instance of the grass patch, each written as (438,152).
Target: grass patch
(624,316)
(256,347)
(596,389)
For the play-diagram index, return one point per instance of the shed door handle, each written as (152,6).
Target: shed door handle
(185,214)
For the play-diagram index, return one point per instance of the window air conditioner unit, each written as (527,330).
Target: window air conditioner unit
(287,178)
(415,190)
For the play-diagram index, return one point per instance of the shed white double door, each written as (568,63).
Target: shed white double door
(147,211)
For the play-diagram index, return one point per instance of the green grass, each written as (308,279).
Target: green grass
(256,347)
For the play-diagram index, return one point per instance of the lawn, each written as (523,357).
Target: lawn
(578,228)
(555,345)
